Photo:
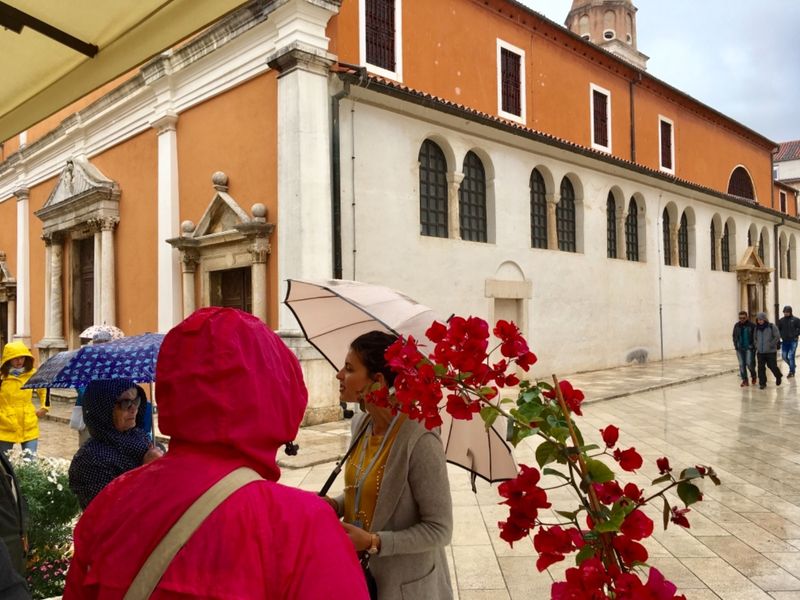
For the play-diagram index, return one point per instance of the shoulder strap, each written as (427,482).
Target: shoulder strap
(150,574)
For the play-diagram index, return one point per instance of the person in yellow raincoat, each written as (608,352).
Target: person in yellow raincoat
(19,419)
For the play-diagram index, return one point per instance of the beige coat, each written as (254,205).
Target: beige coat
(413,517)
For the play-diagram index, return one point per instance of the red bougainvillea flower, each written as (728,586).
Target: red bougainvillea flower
(572,397)
(633,492)
(553,543)
(610,435)
(663,465)
(436,332)
(461,407)
(700,469)
(525,361)
(630,552)
(378,397)
(679,516)
(637,525)
(524,499)
(608,492)
(629,587)
(586,582)
(629,459)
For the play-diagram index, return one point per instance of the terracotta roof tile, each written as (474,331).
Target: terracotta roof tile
(788,151)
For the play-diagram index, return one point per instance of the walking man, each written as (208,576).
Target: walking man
(767,339)
(744,342)
(789,326)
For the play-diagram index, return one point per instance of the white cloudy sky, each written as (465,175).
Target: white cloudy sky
(741,57)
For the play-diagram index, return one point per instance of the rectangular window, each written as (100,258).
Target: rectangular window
(666,145)
(783,202)
(510,82)
(381,36)
(600,107)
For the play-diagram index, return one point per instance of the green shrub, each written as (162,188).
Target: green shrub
(52,511)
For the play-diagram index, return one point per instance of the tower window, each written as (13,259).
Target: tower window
(510,82)
(381,36)
(609,34)
(600,105)
(666,140)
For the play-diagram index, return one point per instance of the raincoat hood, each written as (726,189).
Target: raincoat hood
(227,382)
(98,407)
(14,350)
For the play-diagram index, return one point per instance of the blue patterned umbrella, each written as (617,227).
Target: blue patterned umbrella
(127,358)
(49,371)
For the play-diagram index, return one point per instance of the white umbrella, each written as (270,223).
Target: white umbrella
(332,313)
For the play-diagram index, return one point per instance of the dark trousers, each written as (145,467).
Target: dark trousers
(768,359)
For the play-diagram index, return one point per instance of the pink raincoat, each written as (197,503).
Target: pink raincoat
(230,394)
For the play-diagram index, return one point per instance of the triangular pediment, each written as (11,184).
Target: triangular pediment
(221,216)
(751,261)
(78,179)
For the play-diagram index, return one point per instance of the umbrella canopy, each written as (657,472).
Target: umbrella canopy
(128,358)
(48,372)
(114,333)
(333,313)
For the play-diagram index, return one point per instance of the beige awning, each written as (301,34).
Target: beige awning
(41,76)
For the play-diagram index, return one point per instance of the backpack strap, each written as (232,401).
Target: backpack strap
(151,572)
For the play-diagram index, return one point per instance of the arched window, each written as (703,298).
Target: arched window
(583,25)
(432,190)
(740,184)
(726,250)
(683,242)
(472,200)
(667,241)
(611,226)
(713,247)
(565,217)
(632,231)
(761,247)
(538,211)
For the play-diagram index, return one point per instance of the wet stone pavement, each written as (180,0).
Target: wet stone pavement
(744,540)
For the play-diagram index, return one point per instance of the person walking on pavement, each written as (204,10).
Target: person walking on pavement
(744,342)
(789,327)
(767,340)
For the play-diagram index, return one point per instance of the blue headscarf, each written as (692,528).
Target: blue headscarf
(109,453)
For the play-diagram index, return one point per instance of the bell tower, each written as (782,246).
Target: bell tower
(611,24)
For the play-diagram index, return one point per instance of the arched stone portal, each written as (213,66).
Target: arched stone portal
(753,278)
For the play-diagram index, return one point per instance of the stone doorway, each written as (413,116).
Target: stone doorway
(753,277)
(232,288)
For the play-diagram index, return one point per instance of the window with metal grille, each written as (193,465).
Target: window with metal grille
(472,200)
(380,33)
(510,70)
(726,250)
(749,238)
(632,231)
(665,136)
(432,190)
(683,242)
(740,184)
(783,201)
(713,247)
(538,211)
(666,236)
(600,120)
(565,217)
(789,262)
(611,226)
(761,247)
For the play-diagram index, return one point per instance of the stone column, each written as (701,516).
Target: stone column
(108,310)
(453,213)
(622,250)
(552,222)
(674,258)
(257,232)
(169,277)
(97,300)
(12,313)
(48,284)
(189,262)
(23,304)
(56,288)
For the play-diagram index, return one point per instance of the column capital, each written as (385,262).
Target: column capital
(455,177)
(297,57)
(165,122)
(103,224)
(551,198)
(22,194)
(53,238)
(189,260)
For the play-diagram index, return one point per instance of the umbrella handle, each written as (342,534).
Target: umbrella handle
(338,468)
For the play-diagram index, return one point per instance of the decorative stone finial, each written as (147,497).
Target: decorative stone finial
(187,228)
(259,212)
(220,181)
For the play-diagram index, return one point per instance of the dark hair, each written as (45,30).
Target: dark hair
(370,348)
(742,312)
(5,369)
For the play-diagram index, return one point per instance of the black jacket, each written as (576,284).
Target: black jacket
(13,514)
(789,328)
(737,335)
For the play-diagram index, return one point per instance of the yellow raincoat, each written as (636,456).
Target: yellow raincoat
(18,420)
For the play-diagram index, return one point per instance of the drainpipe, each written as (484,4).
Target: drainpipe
(661,249)
(336,176)
(776,253)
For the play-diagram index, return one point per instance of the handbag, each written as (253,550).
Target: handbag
(76,419)
(150,574)
(372,585)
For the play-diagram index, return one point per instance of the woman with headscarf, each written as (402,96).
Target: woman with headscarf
(113,410)
(230,394)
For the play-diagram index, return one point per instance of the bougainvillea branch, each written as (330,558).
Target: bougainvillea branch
(458,377)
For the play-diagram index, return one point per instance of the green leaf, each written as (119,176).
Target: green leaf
(689,493)
(546,453)
(520,433)
(613,523)
(560,433)
(554,472)
(507,401)
(666,513)
(690,473)
(568,515)
(543,385)
(518,417)
(489,415)
(528,396)
(661,479)
(585,553)
(440,370)
(598,471)
(589,448)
